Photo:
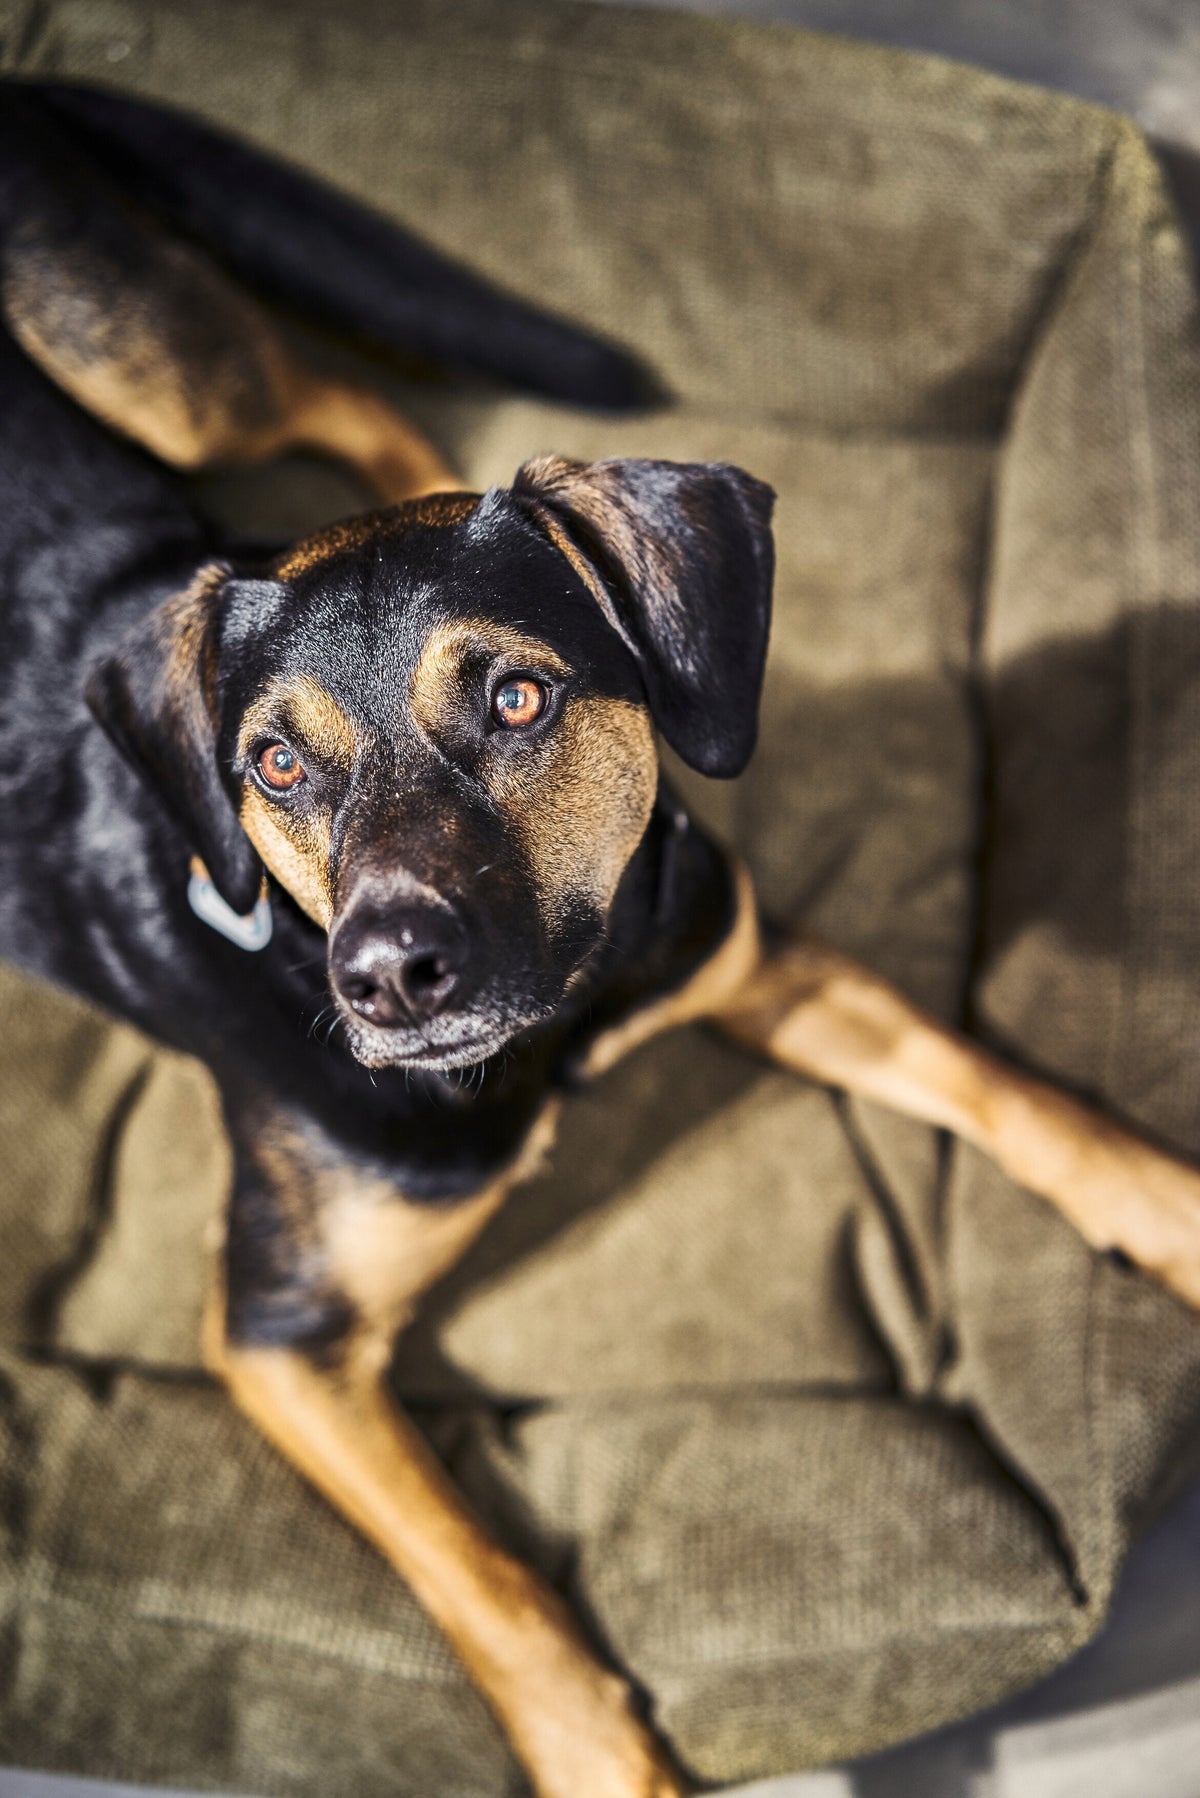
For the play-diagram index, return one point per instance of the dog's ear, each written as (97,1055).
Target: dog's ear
(680,557)
(156,697)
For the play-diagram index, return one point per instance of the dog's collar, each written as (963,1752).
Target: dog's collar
(251,932)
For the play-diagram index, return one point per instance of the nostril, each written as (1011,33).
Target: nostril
(428,981)
(427,971)
(401,968)
(360,991)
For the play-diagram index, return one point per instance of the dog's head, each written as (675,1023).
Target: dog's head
(435,727)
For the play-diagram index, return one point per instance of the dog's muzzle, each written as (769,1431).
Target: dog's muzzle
(401,968)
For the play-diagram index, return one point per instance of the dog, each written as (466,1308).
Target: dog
(407,769)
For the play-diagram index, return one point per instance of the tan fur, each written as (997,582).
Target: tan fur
(369,1244)
(323,546)
(561,539)
(384,1253)
(582,808)
(818,1012)
(302,705)
(723,975)
(189,399)
(393,457)
(296,845)
(181,627)
(295,848)
(571,1722)
(231,393)
(434,685)
(284,1161)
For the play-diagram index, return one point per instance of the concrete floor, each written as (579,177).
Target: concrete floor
(1123,1719)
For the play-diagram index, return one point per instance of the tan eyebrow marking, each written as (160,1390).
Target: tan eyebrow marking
(431,691)
(314,713)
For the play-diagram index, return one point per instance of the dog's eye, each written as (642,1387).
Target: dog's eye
(518,702)
(280,767)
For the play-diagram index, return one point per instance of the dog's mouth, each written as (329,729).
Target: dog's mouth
(397,1008)
(444,1046)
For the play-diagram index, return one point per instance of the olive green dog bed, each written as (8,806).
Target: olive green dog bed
(833,1433)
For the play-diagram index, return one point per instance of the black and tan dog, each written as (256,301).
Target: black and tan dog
(405,769)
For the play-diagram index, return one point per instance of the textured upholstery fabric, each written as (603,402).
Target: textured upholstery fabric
(835,1432)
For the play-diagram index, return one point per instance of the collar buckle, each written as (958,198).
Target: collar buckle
(252,932)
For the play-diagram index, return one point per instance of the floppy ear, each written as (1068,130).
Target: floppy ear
(680,557)
(156,698)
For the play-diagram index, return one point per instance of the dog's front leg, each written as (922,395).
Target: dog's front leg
(825,1016)
(323,1262)
(570,1721)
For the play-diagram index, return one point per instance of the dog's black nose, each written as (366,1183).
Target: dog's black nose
(399,968)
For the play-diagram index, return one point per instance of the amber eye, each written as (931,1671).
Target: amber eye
(517,702)
(280,767)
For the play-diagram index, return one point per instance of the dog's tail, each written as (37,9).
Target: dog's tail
(312,249)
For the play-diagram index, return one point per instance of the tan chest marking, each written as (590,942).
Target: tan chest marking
(384,1251)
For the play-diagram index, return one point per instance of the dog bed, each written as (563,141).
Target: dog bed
(832,1432)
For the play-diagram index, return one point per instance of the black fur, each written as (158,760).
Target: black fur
(97,542)
(312,249)
(685,552)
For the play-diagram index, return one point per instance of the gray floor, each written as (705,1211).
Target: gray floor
(1123,1719)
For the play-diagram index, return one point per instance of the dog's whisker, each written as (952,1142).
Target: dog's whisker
(319,1019)
(404,979)
(308,961)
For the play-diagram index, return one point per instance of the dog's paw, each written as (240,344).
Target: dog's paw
(1118,1190)
(590,1743)
(1161,1225)
(603,1776)
(634,1767)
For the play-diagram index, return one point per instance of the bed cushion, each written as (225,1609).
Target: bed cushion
(835,1432)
